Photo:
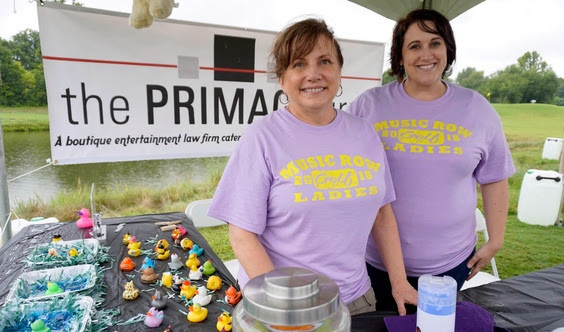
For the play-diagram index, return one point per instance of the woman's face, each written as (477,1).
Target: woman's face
(311,82)
(424,56)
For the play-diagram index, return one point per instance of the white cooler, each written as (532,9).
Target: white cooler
(552,148)
(540,197)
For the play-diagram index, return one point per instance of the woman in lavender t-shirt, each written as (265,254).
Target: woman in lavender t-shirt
(441,140)
(308,184)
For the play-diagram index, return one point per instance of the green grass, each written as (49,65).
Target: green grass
(527,247)
(24,119)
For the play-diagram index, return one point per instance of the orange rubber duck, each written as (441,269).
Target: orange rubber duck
(232,296)
(127,264)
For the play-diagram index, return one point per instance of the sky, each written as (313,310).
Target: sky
(489,37)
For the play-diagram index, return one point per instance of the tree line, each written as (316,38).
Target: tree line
(530,79)
(22,82)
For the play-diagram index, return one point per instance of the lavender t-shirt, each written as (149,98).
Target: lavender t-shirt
(310,193)
(437,151)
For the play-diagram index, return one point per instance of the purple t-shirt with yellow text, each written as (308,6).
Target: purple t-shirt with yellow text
(310,193)
(437,151)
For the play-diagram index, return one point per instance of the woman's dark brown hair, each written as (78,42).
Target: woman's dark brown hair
(298,40)
(420,16)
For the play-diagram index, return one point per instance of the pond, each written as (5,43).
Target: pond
(25,152)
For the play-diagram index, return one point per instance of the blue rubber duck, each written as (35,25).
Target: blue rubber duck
(147,262)
(196,250)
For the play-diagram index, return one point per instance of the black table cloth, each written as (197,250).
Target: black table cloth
(144,228)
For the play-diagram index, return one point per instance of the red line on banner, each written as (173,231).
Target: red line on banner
(145,64)
(47,57)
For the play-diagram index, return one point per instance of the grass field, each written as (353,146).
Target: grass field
(527,247)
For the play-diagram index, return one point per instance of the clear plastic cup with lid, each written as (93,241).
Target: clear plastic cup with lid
(291,299)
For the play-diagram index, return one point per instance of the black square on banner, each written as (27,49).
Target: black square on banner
(234,53)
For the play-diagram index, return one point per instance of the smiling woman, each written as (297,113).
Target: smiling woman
(440,139)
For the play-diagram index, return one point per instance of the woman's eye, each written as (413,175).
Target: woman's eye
(436,43)
(298,64)
(413,47)
(325,62)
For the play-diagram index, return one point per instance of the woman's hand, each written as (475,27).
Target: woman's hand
(481,258)
(403,294)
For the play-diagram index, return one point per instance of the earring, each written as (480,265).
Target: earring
(340,91)
(285,95)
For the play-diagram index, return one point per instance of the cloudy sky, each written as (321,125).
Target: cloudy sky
(489,37)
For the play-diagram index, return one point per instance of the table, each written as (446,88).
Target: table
(143,228)
(529,302)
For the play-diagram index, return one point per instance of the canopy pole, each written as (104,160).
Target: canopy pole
(4,196)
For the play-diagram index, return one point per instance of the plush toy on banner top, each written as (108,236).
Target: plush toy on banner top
(144,11)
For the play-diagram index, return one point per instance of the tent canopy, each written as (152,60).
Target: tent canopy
(399,8)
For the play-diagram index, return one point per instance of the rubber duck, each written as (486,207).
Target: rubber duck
(131,239)
(168,329)
(126,238)
(134,249)
(127,264)
(39,326)
(177,283)
(159,299)
(196,250)
(187,291)
(147,262)
(162,253)
(130,292)
(154,317)
(53,252)
(178,234)
(202,297)
(73,252)
(175,262)
(195,273)
(186,243)
(192,260)
(56,238)
(224,322)
(149,276)
(166,280)
(208,268)
(232,296)
(84,221)
(161,244)
(53,288)
(197,313)
(214,283)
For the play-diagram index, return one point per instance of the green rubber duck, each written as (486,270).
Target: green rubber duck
(53,288)
(208,268)
(39,326)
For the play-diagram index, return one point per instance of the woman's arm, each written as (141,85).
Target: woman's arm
(386,236)
(249,251)
(495,196)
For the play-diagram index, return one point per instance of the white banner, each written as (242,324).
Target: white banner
(173,90)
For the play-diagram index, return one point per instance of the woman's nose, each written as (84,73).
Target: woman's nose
(313,72)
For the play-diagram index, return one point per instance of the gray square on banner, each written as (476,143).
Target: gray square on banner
(188,67)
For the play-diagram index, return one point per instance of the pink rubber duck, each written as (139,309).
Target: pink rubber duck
(85,221)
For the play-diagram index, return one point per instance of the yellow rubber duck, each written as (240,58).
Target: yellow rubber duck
(126,238)
(166,280)
(187,291)
(214,283)
(73,252)
(162,243)
(130,292)
(224,322)
(162,253)
(186,243)
(56,238)
(192,260)
(197,313)
(134,249)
